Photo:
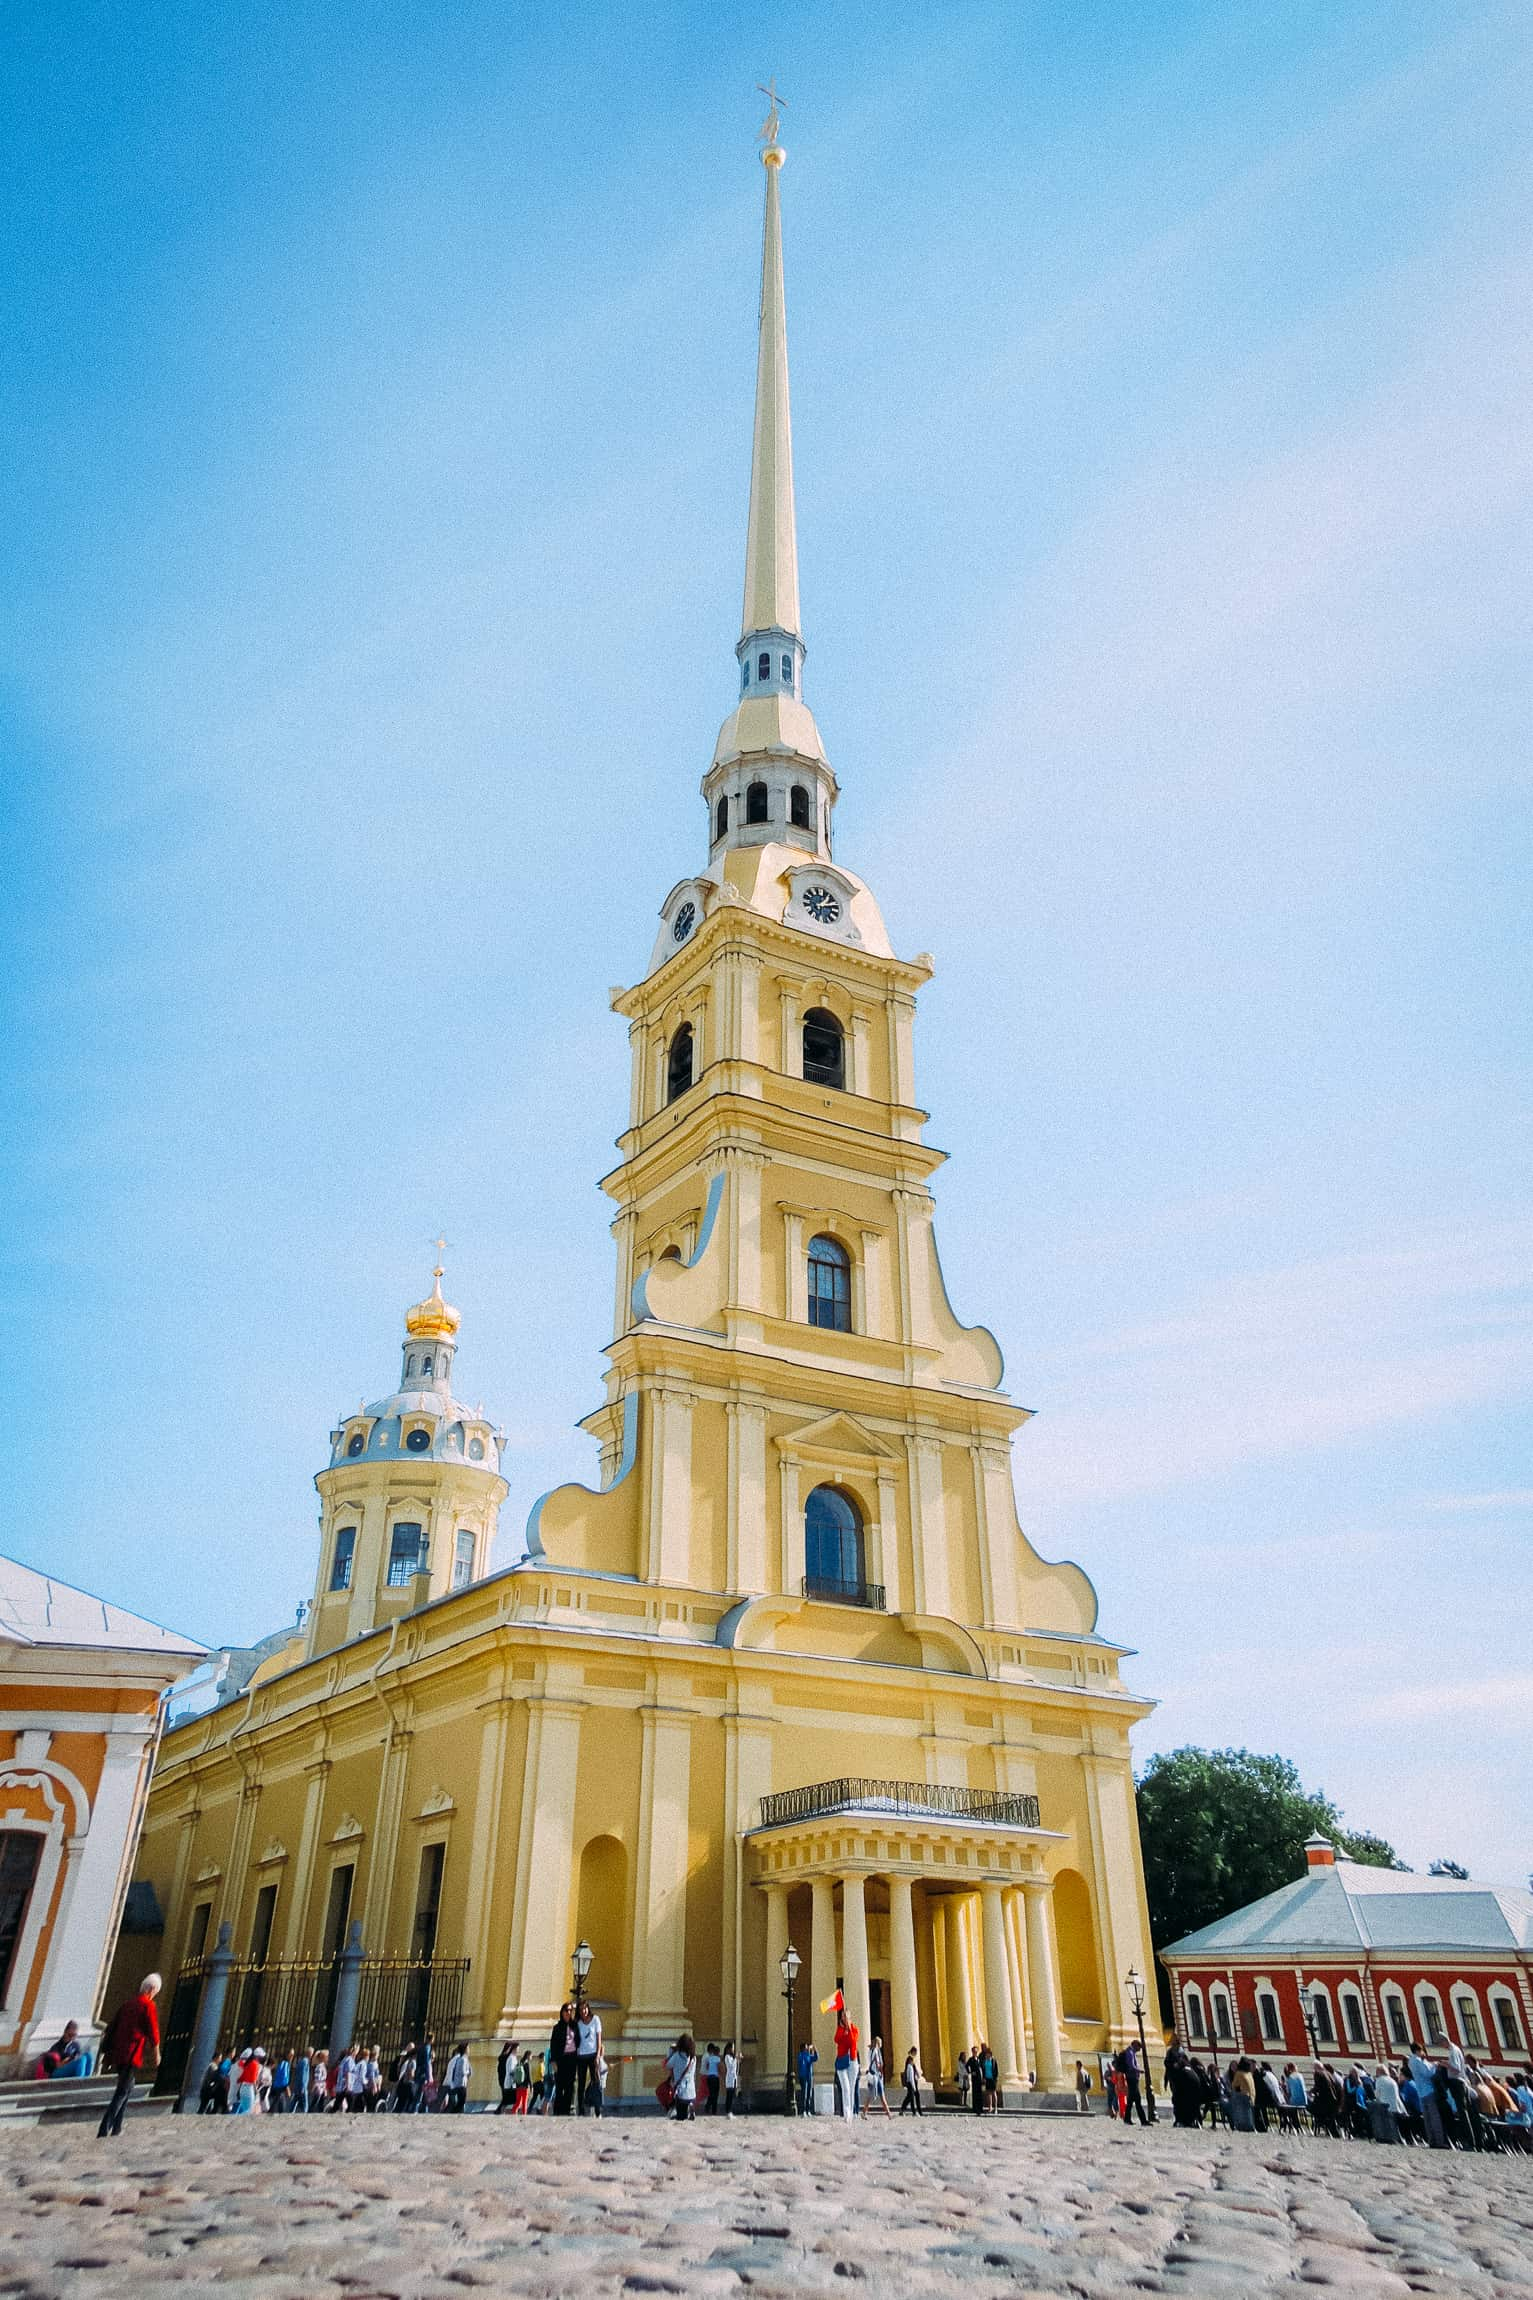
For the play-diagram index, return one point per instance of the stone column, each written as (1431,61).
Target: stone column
(348,1987)
(854,1953)
(960,2005)
(1021,2028)
(823,1971)
(773,2048)
(1001,2040)
(1042,1985)
(904,2010)
(210,2016)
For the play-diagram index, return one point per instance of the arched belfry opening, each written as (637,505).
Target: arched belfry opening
(679,1066)
(824,1048)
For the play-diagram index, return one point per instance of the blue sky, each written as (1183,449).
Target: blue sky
(380,385)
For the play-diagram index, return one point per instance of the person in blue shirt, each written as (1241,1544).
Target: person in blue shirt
(807,2056)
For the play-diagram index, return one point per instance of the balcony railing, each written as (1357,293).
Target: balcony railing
(836,1592)
(917,1798)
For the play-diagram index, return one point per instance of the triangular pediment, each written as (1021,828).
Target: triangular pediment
(836,1437)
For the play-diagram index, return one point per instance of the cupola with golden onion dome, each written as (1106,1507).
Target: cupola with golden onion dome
(433,1319)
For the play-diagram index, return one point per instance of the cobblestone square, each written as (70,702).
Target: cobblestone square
(425,2208)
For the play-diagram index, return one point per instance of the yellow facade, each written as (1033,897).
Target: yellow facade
(590,1736)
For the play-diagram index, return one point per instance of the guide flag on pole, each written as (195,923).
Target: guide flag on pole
(834,2003)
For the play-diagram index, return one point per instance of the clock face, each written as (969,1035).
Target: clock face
(686,919)
(822,904)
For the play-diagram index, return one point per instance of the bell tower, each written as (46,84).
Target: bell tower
(795,1417)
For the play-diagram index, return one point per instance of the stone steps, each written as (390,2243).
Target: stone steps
(70,2100)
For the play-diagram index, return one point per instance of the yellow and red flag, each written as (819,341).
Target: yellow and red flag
(835,2003)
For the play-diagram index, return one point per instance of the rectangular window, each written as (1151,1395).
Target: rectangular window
(1272,2019)
(197,1931)
(406,1553)
(1399,2025)
(1222,2028)
(20,1852)
(1352,2014)
(463,1559)
(261,1923)
(1506,2022)
(1195,2025)
(338,1909)
(340,1562)
(428,1900)
(1432,2020)
(1325,2027)
(1469,2023)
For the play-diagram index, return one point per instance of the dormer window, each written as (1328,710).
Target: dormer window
(418,1441)
(798,807)
(756,803)
(355,1443)
(763,668)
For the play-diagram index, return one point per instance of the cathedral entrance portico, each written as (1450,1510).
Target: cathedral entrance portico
(943,1899)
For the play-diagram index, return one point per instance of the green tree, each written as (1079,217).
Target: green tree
(1221,1827)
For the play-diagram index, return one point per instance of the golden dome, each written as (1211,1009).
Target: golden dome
(433,1319)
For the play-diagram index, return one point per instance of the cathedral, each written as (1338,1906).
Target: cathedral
(788,1675)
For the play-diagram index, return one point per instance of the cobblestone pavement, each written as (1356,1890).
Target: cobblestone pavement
(427,2209)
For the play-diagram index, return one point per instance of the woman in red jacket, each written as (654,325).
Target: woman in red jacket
(133,2031)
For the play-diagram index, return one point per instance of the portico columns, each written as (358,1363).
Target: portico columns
(854,1954)
(774,2023)
(822,1968)
(998,1987)
(1042,1984)
(960,2009)
(904,2009)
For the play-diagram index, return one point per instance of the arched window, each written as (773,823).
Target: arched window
(756,803)
(1197,2027)
(407,1553)
(1397,2017)
(830,1285)
(745,674)
(678,1068)
(1320,2014)
(1430,2006)
(721,819)
(1353,2018)
(1269,2016)
(1466,2008)
(763,667)
(833,1552)
(1224,2027)
(798,806)
(787,670)
(824,1049)
(426,1364)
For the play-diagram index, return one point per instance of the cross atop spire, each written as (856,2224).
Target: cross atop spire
(767,132)
(771,547)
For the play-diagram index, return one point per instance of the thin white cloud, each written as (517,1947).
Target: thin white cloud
(1504,1699)
(1286,1361)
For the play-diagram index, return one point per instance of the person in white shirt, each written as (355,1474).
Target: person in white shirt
(681,2068)
(731,2077)
(340,2090)
(711,2067)
(356,2083)
(1386,2112)
(588,2059)
(459,2077)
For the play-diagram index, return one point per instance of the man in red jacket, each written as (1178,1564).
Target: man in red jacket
(133,2030)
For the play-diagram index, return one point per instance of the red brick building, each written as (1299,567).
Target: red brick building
(1386,1957)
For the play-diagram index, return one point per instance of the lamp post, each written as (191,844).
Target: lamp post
(788,1964)
(1307,2007)
(1136,1999)
(581,1962)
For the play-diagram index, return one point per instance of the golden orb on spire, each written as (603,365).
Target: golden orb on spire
(433,1319)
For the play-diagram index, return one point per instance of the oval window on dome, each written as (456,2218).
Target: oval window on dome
(418,1441)
(355,1443)
(476,1449)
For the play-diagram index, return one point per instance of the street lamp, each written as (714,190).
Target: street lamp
(788,1964)
(1307,2007)
(581,1962)
(1136,1999)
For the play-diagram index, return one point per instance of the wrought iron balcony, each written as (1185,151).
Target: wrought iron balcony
(918,1798)
(833,1591)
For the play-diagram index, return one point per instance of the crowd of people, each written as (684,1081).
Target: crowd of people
(295,2081)
(1421,2101)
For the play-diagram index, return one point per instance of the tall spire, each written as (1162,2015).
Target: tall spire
(771,546)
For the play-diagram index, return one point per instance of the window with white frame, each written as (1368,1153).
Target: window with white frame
(1466,2006)
(1320,2014)
(1354,2019)
(1224,2026)
(462,1558)
(1398,2018)
(1429,2005)
(1508,2026)
(1197,2026)
(1271,2018)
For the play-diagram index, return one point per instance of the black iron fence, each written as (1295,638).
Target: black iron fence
(837,1592)
(288,2004)
(852,1794)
